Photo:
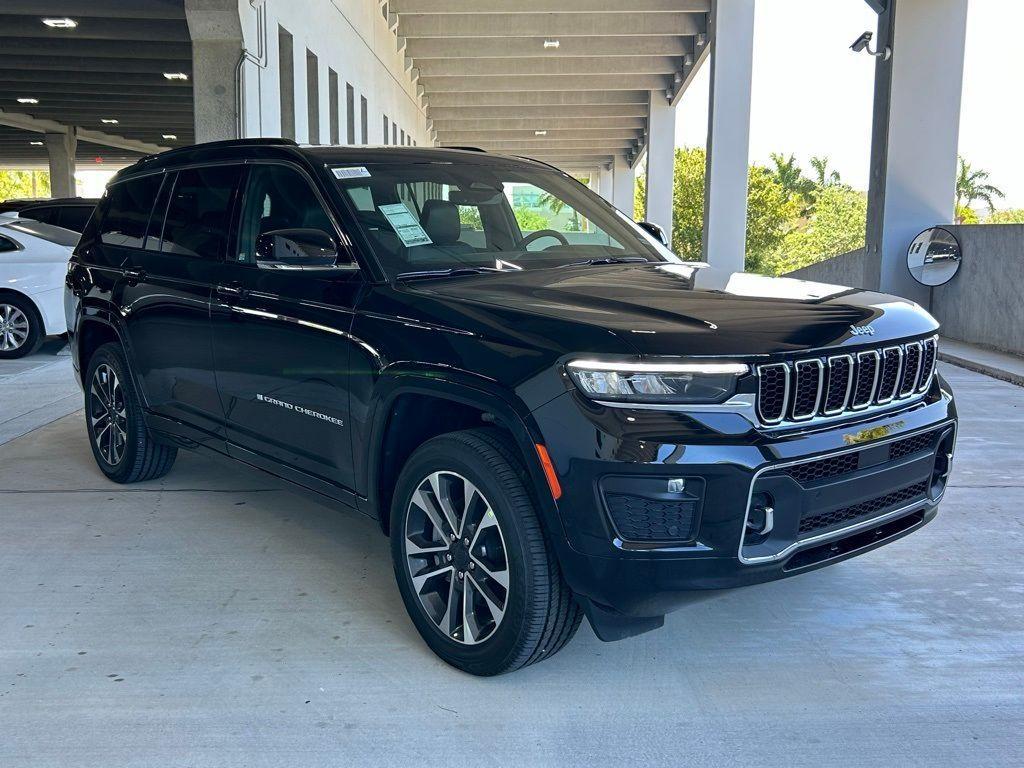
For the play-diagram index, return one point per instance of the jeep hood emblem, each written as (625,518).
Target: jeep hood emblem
(862,330)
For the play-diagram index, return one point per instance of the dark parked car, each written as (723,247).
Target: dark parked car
(66,212)
(549,424)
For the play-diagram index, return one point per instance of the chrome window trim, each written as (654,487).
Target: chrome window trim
(849,386)
(874,383)
(785,397)
(817,393)
(899,374)
(847,530)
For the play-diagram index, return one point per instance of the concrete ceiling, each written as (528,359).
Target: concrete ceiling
(110,66)
(489,81)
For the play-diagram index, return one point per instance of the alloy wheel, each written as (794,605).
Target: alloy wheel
(14,328)
(108,414)
(456,557)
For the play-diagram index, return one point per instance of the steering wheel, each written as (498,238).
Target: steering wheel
(543,233)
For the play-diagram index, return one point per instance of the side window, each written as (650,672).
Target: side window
(127,211)
(279,198)
(7,245)
(199,213)
(74,217)
(47,215)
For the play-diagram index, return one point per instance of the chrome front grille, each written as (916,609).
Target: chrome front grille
(800,390)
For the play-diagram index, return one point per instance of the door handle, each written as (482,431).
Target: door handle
(134,276)
(232,290)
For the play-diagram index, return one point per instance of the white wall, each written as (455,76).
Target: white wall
(352,38)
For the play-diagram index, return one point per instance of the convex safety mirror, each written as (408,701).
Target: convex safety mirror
(934,257)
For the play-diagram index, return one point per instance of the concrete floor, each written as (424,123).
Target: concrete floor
(215,619)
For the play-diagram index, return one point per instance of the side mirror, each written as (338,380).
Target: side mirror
(934,257)
(295,249)
(654,230)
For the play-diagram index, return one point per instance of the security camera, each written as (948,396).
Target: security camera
(863,43)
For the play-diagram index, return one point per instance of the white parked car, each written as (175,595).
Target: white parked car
(33,262)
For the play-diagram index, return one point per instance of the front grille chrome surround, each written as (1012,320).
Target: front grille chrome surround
(831,386)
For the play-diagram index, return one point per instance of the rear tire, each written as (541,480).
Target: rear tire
(472,486)
(121,443)
(21,327)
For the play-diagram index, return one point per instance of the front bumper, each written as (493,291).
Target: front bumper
(884,484)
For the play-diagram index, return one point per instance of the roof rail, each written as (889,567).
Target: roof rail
(272,141)
(466,149)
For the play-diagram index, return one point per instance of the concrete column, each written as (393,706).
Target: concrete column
(661,149)
(216,32)
(725,190)
(915,134)
(604,183)
(623,178)
(60,147)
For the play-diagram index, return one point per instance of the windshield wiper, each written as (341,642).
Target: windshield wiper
(606,260)
(450,272)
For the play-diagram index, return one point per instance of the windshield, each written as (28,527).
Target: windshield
(438,217)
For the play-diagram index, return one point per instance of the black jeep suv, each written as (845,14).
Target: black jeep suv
(550,414)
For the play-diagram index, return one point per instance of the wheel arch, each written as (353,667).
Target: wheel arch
(414,407)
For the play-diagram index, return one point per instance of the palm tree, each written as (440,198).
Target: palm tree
(972,185)
(823,176)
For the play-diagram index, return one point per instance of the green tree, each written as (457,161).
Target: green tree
(836,226)
(971,186)
(530,220)
(823,176)
(791,176)
(1009,216)
(770,209)
(19,184)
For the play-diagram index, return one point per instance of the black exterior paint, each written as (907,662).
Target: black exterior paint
(204,338)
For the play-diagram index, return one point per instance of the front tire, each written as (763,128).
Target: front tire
(21,328)
(121,443)
(470,557)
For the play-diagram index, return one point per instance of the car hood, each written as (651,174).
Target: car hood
(692,309)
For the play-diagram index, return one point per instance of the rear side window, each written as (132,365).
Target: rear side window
(127,211)
(199,213)
(74,217)
(47,215)
(7,245)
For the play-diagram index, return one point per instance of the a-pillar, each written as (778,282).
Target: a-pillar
(661,147)
(915,134)
(216,32)
(728,151)
(60,147)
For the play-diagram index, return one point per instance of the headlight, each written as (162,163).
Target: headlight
(656,382)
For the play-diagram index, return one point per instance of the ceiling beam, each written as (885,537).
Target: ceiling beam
(421,49)
(564,123)
(495,83)
(595,134)
(600,111)
(531,146)
(72,78)
(536,98)
(548,25)
(75,64)
(604,65)
(547,6)
(136,31)
(140,9)
(72,47)
(28,123)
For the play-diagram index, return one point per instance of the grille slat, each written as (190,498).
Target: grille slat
(800,390)
(863,510)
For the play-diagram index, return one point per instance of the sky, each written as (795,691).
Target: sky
(812,95)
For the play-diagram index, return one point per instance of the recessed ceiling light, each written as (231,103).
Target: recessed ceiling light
(540,133)
(170,136)
(108,120)
(62,23)
(27,100)
(552,43)
(36,143)
(176,75)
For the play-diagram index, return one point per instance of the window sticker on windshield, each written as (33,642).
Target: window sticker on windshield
(352,172)
(405,224)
